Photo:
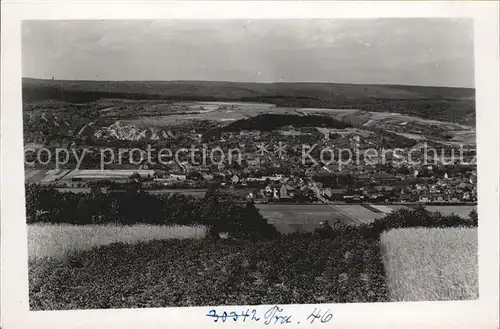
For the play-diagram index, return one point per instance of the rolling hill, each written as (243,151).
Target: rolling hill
(445,104)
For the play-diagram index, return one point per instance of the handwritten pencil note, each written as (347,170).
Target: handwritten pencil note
(274,316)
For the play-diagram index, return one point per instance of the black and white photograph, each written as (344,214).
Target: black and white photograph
(226,162)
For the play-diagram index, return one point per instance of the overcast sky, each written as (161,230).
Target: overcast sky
(436,52)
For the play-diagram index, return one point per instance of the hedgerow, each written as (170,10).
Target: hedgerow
(48,205)
(402,218)
(418,217)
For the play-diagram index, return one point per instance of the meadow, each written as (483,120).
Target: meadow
(432,264)
(58,241)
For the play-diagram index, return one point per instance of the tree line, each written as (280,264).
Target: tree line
(134,206)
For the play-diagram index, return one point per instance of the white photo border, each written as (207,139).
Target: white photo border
(481,313)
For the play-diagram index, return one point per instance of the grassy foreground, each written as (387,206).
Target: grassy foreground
(431,263)
(60,240)
(290,269)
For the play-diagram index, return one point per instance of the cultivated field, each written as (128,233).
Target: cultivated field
(289,218)
(359,214)
(53,175)
(425,264)
(303,218)
(35,176)
(462,211)
(57,241)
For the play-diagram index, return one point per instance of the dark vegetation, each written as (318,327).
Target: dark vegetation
(447,104)
(289,269)
(47,205)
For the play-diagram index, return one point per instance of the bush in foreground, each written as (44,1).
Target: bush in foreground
(426,264)
(285,270)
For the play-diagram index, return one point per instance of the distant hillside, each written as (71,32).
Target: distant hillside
(447,104)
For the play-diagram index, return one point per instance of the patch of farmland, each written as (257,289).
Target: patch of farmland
(397,118)
(180,119)
(465,136)
(238,104)
(60,240)
(358,214)
(107,174)
(462,211)
(38,176)
(382,208)
(51,176)
(416,137)
(327,110)
(61,174)
(302,218)
(30,173)
(424,264)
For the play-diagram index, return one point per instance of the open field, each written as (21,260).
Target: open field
(462,211)
(58,241)
(52,175)
(287,270)
(35,176)
(431,264)
(289,218)
(303,218)
(359,214)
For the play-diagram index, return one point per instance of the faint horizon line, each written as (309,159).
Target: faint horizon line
(257,82)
